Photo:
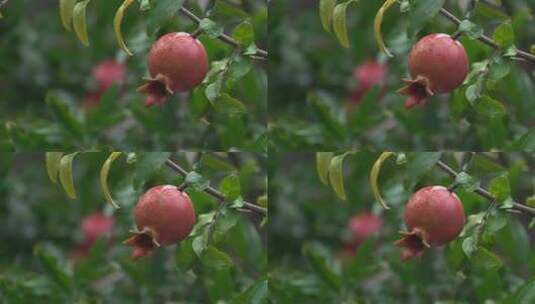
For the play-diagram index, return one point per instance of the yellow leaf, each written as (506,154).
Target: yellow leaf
(65,174)
(104,172)
(336,175)
(374,176)
(66,9)
(326,13)
(377,26)
(323,160)
(117,25)
(80,21)
(53,160)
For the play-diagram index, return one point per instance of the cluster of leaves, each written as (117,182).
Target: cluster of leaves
(492,260)
(43,86)
(224,259)
(310,88)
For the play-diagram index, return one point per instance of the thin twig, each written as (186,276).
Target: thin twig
(215,193)
(485,39)
(223,37)
(482,192)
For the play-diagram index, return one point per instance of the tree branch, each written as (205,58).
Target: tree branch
(485,39)
(223,37)
(215,193)
(482,192)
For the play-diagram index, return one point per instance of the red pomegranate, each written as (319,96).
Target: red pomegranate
(437,64)
(434,217)
(108,73)
(164,215)
(177,62)
(95,226)
(369,74)
(363,226)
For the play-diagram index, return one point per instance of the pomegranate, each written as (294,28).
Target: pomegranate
(177,62)
(434,216)
(437,64)
(164,215)
(368,74)
(363,226)
(108,73)
(95,226)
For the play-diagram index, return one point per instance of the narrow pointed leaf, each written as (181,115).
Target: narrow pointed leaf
(104,172)
(374,176)
(66,9)
(340,23)
(323,160)
(53,160)
(117,25)
(326,13)
(80,21)
(336,175)
(377,26)
(65,174)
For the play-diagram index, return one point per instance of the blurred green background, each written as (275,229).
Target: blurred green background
(45,75)
(311,82)
(40,260)
(310,261)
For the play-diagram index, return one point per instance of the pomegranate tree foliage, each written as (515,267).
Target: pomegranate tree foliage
(310,261)
(311,80)
(223,259)
(45,76)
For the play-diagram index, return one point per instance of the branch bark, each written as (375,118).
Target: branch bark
(214,192)
(485,39)
(482,192)
(223,37)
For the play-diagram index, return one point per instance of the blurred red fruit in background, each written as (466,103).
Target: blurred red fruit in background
(93,226)
(361,227)
(108,73)
(368,74)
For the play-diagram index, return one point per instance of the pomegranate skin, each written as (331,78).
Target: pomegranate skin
(437,64)
(177,63)
(363,226)
(108,73)
(164,215)
(95,226)
(434,217)
(368,74)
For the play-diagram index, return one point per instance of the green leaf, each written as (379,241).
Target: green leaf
(65,174)
(423,11)
(489,107)
(244,33)
(469,246)
(62,111)
(104,172)
(229,105)
(257,293)
(53,160)
(211,28)
(336,175)
(418,164)
(147,163)
(162,11)
(53,267)
(326,8)
(340,23)
(504,34)
(525,294)
(500,188)
(230,187)
(66,9)
(486,260)
(323,161)
(185,256)
(196,180)
(318,259)
(215,259)
(472,30)
(80,21)
(117,21)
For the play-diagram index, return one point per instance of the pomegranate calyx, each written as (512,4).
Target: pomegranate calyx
(143,242)
(417,90)
(413,243)
(157,89)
